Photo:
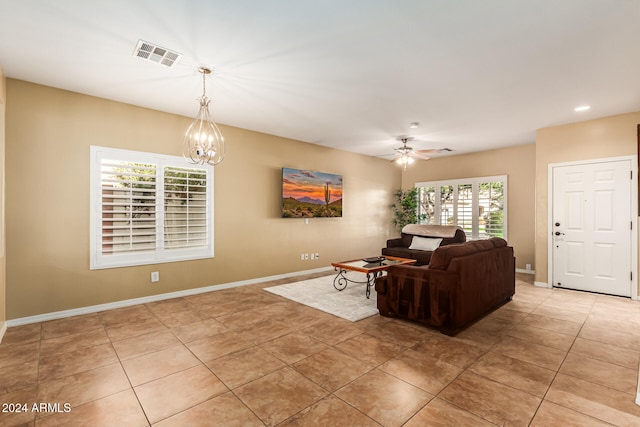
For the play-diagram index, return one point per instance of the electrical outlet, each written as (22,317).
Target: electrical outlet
(528,267)
(301,257)
(313,256)
(155,276)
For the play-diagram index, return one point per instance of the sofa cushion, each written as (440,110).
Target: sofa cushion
(425,243)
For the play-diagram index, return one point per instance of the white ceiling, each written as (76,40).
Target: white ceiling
(350,74)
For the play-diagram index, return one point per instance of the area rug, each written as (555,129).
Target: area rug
(350,303)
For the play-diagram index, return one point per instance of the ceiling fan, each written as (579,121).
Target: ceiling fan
(405,155)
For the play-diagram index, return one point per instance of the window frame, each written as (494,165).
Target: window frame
(159,254)
(475,183)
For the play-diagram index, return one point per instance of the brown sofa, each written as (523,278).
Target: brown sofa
(401,246)
(462,283)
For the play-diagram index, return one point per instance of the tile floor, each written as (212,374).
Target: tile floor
(246,357)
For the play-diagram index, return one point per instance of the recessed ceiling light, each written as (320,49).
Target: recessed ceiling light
(414,125)
(582,108)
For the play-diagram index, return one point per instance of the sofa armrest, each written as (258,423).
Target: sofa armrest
(394,243)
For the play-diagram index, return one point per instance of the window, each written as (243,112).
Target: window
(477,205)
(148,208)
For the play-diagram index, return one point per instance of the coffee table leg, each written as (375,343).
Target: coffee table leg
(340,281)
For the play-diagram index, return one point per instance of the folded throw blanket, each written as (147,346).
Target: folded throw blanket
(444,231)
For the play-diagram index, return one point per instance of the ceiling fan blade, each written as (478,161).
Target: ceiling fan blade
(420,156)
(429,151)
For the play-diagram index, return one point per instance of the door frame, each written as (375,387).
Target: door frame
(633,161)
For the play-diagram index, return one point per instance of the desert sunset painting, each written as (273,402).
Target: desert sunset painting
(308,194)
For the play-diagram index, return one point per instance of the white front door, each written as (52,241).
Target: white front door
(591,227)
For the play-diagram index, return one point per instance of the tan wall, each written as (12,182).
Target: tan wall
(515,162)
(3,312)
(593,139)
(48,203)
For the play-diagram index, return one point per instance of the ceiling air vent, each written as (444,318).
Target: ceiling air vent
(156,54)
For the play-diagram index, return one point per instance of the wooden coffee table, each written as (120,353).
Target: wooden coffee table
(371,269)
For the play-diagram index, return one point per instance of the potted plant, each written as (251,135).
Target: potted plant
(405,208)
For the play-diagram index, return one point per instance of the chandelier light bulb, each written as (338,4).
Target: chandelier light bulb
(203,142)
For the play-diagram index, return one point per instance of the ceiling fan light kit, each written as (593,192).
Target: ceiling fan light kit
(406,155)
(203,142)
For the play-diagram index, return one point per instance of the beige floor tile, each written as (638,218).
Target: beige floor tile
(494,325)
(152,366)
(71,325)
(560,314)
(265,331)
(121,409)
(175,393)
(401,334)
(607,353)
(244,366)
(72,342)
(385,398)
(168,306)
(540,355)
(608,336)
(599,372)
(478,338)
(202,329)
(550,414)
(224,410)
(279,395)
(331,369)
(440,413)
(370,349)
(22,334)
(450,350)
(624,326)
(549,323)
(144,344)
(293,347)
(219,345)
(420,370)
(333,331)
(124,316)
(179,318)
(514,373)
(14,377)
(14,417)
(17,354)
(74,362)
(385,370)
(495,402)
(505,313)
(134,329)
(603,403)
(534,334)
(84,387)
(330,412)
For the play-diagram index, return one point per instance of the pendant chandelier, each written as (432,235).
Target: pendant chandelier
(203,142)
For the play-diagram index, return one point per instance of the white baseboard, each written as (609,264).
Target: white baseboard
(3,329)
(522,270)
(541,284)
(143,300)
(638,394)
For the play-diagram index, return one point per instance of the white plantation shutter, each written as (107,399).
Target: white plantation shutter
(148,208)
(478,205)
(128,207)
(185,208)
